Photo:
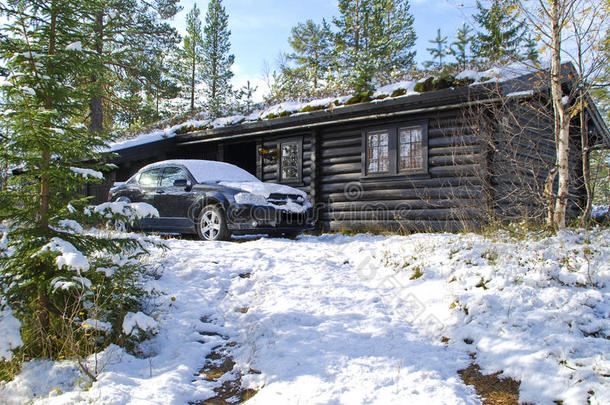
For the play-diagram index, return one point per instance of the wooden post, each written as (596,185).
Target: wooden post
(314,187)
(259,159)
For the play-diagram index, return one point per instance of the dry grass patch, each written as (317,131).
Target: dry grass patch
(492,389)
(218,363)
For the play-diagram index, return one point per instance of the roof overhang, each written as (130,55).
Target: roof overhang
(401,106)
(524,86)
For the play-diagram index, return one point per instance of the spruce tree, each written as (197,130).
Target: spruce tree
(312,53)
(439,50)
(217,60)
(193,51)
(50,264)
(501,37)
(461,46)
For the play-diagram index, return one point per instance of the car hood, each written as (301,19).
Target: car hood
(263,189)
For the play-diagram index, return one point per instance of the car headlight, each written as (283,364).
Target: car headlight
(250,199)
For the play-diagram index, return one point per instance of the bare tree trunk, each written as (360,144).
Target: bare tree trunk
(157,102)
(95,104)
(562,122)
(549,196)
(193,67)
(586,168)
(563,154)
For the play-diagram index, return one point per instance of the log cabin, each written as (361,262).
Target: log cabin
(439,156)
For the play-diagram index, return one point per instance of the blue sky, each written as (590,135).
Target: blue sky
(260,28)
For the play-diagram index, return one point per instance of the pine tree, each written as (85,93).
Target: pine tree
(164,84)
(217,59)
(461,46)
(375,39)
(193,51)
(531,46)
(129,38)
(286,83)
(350,56)
(502,36)
(312,53)
(440,50)
(397,39)
(51,263)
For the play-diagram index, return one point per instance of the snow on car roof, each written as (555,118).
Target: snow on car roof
(207,171)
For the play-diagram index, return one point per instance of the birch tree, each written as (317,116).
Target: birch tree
(571,30)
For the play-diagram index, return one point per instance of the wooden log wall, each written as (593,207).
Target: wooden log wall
(447,198)
(523,156)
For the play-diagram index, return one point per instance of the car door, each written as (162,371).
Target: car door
(172,201)
(147,184)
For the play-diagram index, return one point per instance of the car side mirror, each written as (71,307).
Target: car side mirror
(184,183)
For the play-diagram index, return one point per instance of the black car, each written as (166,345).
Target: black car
(214,200)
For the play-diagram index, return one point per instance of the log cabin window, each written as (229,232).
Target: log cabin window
(378,152)
(395,150)
(410,149)
(290,161)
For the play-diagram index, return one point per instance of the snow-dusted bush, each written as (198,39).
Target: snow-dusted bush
(136,328)
(90,278)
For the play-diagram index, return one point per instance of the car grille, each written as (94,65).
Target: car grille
(282,199)
(292,219)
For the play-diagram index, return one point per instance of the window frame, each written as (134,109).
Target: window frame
(366,141)
(296,180)
(424,150)
(394,171)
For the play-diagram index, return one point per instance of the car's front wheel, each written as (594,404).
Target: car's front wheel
(212,224)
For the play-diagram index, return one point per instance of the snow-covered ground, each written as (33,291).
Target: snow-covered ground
(363,319)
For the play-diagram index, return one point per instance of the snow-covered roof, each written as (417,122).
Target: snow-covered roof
(207,171)
(405,88)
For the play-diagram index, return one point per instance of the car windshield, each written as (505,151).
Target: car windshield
(207,171)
